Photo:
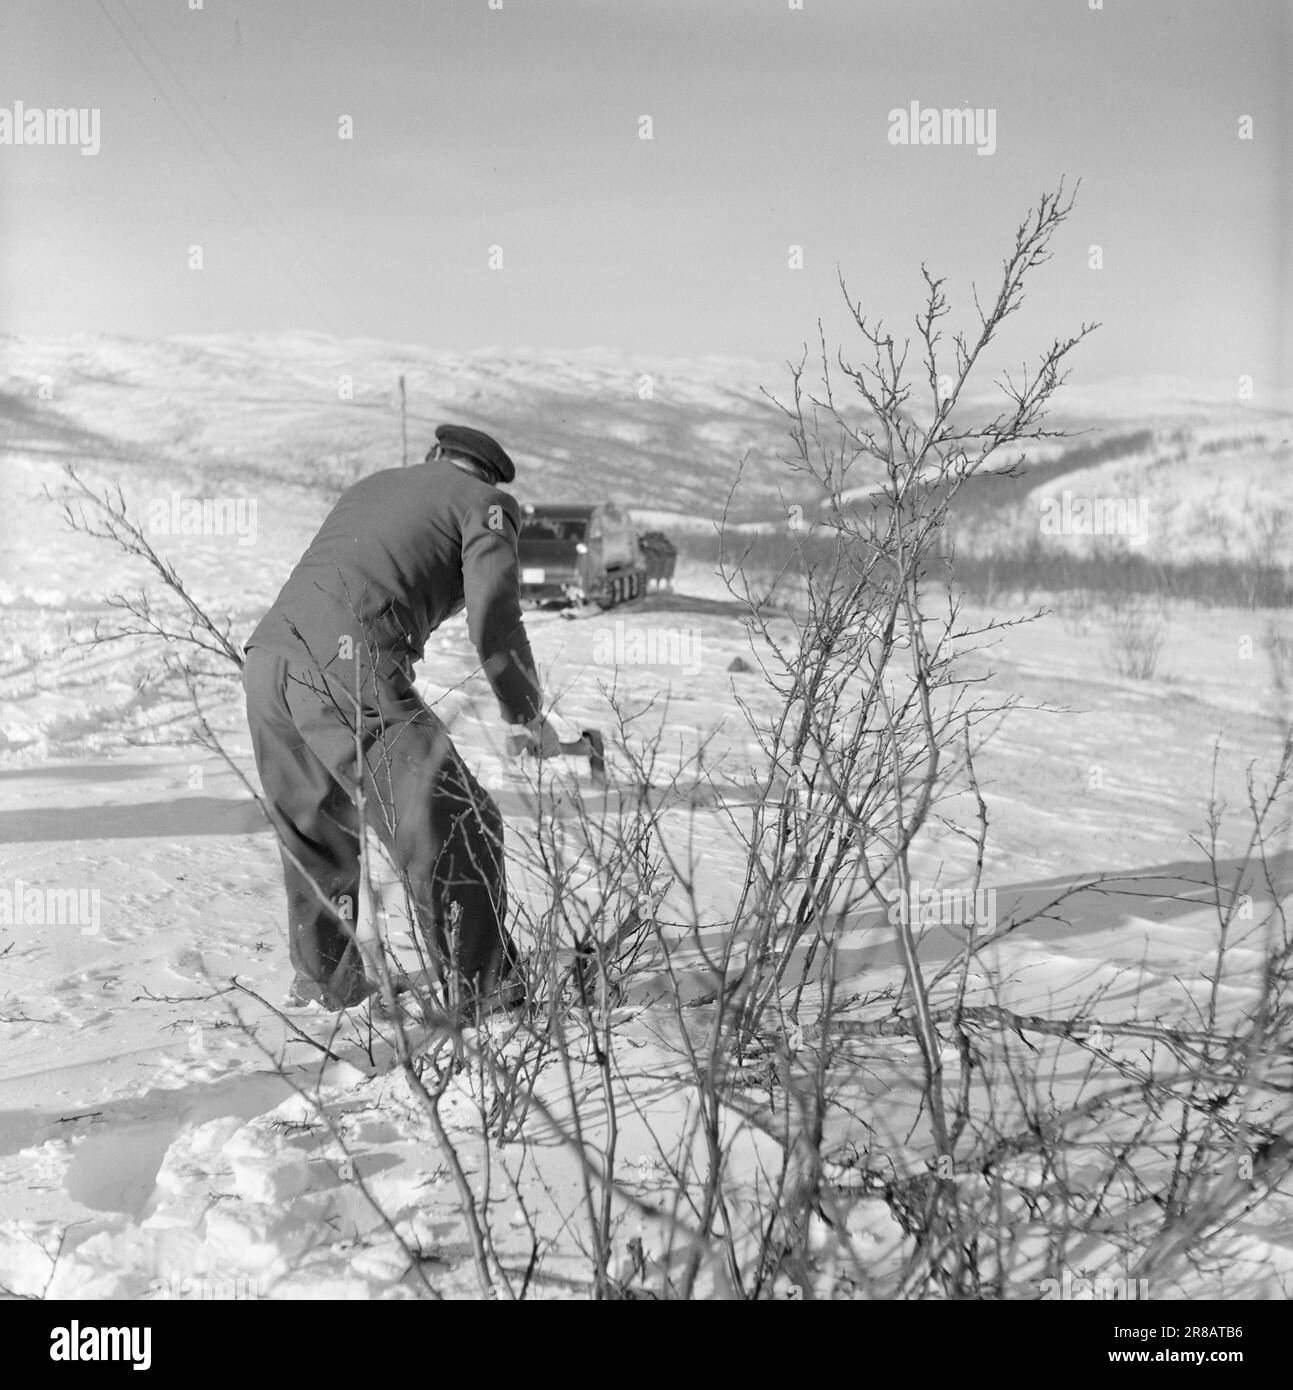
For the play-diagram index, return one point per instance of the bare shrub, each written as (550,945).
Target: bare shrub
(1136,636)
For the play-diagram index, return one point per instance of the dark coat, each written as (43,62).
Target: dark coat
(400,552)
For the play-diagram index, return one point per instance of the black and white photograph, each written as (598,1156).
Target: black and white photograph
(646,654)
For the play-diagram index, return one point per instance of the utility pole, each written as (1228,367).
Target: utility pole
(404,426)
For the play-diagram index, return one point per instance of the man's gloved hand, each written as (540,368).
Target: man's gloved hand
(544,742)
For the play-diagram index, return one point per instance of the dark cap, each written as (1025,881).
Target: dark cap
(475,444)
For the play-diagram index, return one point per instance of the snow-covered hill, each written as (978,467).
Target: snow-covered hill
(309,409)
(150,1147)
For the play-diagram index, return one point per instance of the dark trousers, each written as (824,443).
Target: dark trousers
(442,829)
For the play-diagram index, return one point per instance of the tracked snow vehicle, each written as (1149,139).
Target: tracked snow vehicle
(576,554)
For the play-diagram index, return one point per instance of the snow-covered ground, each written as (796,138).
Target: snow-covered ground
(153,1139)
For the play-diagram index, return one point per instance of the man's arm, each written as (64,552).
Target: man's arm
(491,587)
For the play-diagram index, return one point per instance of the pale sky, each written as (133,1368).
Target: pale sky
(519,127)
